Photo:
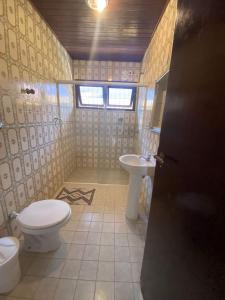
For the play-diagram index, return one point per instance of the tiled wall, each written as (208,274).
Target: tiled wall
(106,70)
(35,151)
(67,120)
(31,155)
(156,62)
(101,135)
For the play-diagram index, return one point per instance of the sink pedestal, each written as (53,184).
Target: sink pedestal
(137,167)
(133,196)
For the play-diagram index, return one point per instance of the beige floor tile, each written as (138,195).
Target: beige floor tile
(26,288)
(136,272)
(102,176)
(135,240)
(136,254)
(54,267)
(80,237)
(120,218)
(104,290)
(99,243)
(120,228)
(137,291)
(107,253)
(121,239)
(77,208)
(76,216)
(71,269)
(88,270)
(109,217)
(25,262)
(132,227)
(89,209)
(65,289)
(71,225)
(38,267)
(107,238)
(109,211)
(142,229)
(46,289)
(66,236)
(98,208)
(122,254)
(83,226)
(97,217)
(108,227)
(76,251)
(94,238)
(62,252)
(91,252)
(124,291)
(123,272)
(96,227)
(86,216)
(85,290)
(105,271)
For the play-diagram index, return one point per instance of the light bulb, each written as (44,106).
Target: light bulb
(101,5)
(98,5)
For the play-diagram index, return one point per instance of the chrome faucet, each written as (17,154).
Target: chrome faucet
(147,157)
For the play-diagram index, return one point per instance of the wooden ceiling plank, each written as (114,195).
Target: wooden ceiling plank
(125,27)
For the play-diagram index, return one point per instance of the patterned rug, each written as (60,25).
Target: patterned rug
(76,196)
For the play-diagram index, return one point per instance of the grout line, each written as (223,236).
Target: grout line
(99,245)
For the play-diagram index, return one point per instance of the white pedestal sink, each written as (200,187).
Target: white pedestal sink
(137,167)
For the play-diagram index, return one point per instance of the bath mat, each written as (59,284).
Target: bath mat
(77,196)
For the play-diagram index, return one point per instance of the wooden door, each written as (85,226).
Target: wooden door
(185,247)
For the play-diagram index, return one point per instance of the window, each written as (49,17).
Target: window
(91,96)
(109,97)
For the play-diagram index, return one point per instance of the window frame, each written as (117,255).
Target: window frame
(106,105)
(131,107)
(79,99)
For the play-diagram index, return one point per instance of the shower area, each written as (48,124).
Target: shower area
(92,139)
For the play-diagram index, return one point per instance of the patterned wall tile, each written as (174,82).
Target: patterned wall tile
(156,62)
(36,148)
(32,158)
(101,135)
(106,70)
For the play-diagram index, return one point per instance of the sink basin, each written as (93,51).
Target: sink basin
(134,164)
(137,167)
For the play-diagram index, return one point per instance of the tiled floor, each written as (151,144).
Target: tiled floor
(103,176)
(100,257)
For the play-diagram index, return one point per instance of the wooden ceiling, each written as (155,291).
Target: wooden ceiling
(122,32)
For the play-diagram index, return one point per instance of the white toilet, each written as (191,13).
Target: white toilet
(40,223)
(9,264)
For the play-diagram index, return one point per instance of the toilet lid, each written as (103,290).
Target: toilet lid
(43,214)
(9,246)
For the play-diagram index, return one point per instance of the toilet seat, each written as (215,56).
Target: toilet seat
(43,214)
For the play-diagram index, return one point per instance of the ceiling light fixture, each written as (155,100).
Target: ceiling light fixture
(98,5)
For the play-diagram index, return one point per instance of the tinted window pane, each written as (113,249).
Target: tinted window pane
(120,96)
(91,95)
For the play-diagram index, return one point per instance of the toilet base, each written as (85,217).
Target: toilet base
(42,243)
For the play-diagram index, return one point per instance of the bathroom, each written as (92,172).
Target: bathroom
(62,137)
